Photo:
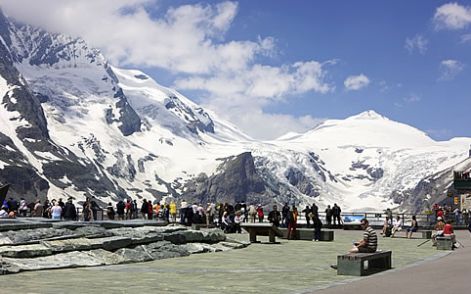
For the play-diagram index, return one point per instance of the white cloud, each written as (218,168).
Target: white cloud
(465,38)
(450,69)
(353,83)
(411,98)
(267,126)
(452,16)
(418,42)
(190,42)
(262,125)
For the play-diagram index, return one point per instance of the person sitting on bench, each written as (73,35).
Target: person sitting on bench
(448,232)
(369,243)
(414,226)
(438,230)
(386,231)
(397,226)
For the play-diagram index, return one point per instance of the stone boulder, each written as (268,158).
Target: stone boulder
(25,251)
(92,231)
(142,235)
(138,254)
(213,236)
(182,237)
(5,240)
(164,250)
(230,245)
(63,260)
(25,236)
(195,248)
(107,243)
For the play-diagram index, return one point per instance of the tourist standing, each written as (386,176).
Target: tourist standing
(38,209)
(260,213)
(183,210)
(209,214)
(284,214)
(87,210)
(274,216)
(56,212)
(336,211)
(252,213)
(69,212)
(389,214)
(94,207)
(238,219)
(120,209)
(23,209)
(134,209)
(317,223)
(110,213)
(307,215)
(144,209)
(328,215)
(173,211)
(465,215)
(292,220)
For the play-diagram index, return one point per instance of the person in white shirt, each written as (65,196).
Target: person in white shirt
(56,212)
(23,207)
(397,226)
(3,212)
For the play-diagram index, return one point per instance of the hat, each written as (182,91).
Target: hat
(439,218)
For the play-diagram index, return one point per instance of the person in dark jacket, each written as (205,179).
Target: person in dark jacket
(284,215)
(120,209)
(274,216)
(317,227)
(110,211)
(144,209)
(69,211)
(336,214)
(307,213)
(94,206)
(328,215)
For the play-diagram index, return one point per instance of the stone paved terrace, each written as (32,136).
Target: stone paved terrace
(288,267)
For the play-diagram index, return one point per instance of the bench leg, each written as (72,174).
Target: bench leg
(271,236)
(252,236)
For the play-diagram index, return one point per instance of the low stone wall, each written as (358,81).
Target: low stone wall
(93,245)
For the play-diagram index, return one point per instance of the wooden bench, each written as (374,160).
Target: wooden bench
(444,243)
(261,229)
(362,264)
(308,234)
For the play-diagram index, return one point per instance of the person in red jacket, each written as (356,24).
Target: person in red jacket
(448,232)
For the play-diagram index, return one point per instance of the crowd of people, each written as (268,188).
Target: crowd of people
(54,209)
(129,209)
(456,215)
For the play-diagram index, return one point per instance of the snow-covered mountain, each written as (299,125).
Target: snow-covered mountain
(73,125)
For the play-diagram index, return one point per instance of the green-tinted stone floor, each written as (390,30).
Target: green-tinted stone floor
(288,267)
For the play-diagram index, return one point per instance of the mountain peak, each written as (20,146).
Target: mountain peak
(369,115)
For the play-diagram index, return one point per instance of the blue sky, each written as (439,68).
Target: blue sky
(277,66)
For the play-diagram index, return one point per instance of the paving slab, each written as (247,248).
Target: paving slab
(448,274)
(292,266)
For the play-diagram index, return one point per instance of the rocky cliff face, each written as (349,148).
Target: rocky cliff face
(236,180)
